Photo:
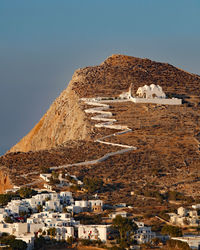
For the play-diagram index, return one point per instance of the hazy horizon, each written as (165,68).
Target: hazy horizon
(42,43)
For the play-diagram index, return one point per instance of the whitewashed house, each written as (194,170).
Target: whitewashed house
(196,206)
(74,209)
(66,197)
(3,214)
(184,217)
(94,203)
(14,207)
(53,205)
(143,234)
(45,177)
(121,213)
(14,229)
(182,211)
(93,232)
(48,187)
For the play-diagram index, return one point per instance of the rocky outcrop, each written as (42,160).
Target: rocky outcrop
(5,182)
(64,121)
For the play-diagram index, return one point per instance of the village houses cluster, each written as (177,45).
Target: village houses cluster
(186,217)
(52,216)
(49,210)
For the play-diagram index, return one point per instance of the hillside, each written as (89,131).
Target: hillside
(154,148)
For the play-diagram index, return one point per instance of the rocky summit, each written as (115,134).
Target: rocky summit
(132,147)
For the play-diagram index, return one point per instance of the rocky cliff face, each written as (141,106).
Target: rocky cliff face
(65,120)
(5,182)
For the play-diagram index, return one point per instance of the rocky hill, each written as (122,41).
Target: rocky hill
(65,120)
(153,147)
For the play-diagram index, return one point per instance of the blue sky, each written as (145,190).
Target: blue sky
(42,42)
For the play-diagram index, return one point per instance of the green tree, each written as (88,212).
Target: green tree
(70,240)
(44,232)
(92,184)
(51,231)
(14,244)
(55,175)
(39,242)
(39,208)
(5,198)
(8,219)
(44,170)
(53,181)
(125,226)
(26,192)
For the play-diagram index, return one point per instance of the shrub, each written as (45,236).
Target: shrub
(8,219)
(85,242)
(26,192)
(92,184)
(171,230)
(164,216)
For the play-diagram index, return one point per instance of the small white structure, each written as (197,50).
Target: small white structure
(45,177)
(182,211)
(143,233)
(196,206)
(93,232)
(93,203)
(82,203)
(47,186)
(125,96)
(121,213)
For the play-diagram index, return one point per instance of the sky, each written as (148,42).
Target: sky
(42,42)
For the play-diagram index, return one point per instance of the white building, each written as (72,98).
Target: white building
(182,211)
(196,206)
(95,205)
(93,232)
(121,213)
(53,205)
(184,217)
(143,233)
(74,209)
(82,204)
(66,197)
(150,92)
(16,206)
(16,229)
(47,186)
(154,94)
(45,177)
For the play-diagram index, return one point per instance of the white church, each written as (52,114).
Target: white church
(150,94)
